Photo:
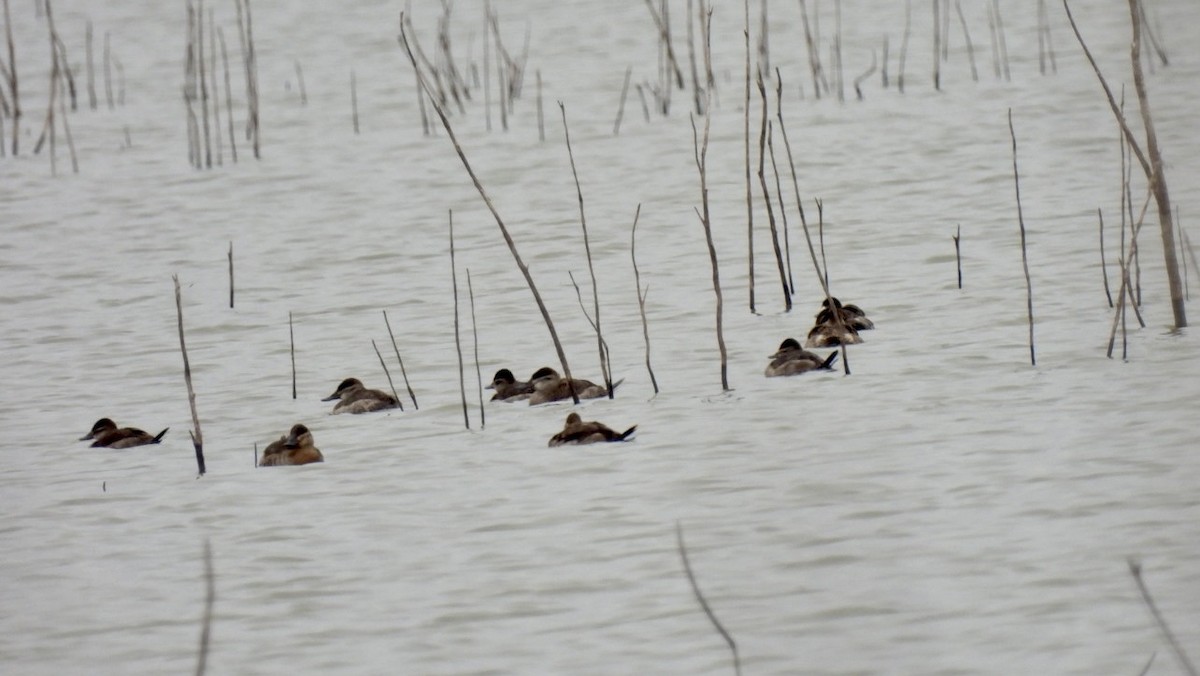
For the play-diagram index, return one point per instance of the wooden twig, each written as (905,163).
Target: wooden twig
(665,35)
(403,373)
(746,139)
(540,117)
(605,367)
(457,339)
(1003,42)
(787,247)
(210,597)
(475,343)
(1103,261)
(765,130)
(903,46)
(641,294)
(292,350)
(937,45)
(1135,569)
(91,71)
(228,95)
(230,273)
(865,74)
(203,79)
(1024,254)
(687,568)
(13,82)
(512,247)
(354,100)
(962,21)
(958,254)
(621,105)
(388,373)
(197,437)
(300,83)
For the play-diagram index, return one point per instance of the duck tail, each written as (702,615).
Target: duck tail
(624,436)
(614,385)
(160,435)
(828,363)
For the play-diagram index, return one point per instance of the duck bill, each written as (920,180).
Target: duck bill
(333,396)
(89,437)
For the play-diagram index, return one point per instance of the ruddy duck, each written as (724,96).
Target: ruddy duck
(354,398)
(830,334)
(549,386)
(294,449)
(852,315)
(107,435)
(508,388)
(792,359)
(575,431)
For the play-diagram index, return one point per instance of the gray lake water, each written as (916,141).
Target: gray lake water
(946,509)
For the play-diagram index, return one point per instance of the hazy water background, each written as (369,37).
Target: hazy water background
(946,510)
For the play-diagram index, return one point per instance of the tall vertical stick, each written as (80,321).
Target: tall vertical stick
(230,273)
(210,597)
(403,373)
(388,373)
(462,385)
(197,437)
(967,36)
(904,45)
(475,344)
(292,350)
(1024,255)
(228,95)
(91,70)
(746,138)
(13,82)
(762,180)
(1103,261)
(641,295)
(621,106)
(354,100)
(958,254)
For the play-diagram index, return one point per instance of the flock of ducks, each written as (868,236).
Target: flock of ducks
(835,325)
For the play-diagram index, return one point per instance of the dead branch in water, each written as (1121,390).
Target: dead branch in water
(865,74)
(462,386)
(197,437)
(787,247)
(687,568)
(230,273)
(403,373)
(1024,254)
(605,367)
(621,105)
(13,82)
(1103,261)
(967,36)
(475,344)
(664,34)
(388,373)
(746,137)
(210,597)
(958,255)
(292,350)
(762,180)
(641,294)
(512,247)
(1135,569)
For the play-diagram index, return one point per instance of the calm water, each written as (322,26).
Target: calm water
(947,509)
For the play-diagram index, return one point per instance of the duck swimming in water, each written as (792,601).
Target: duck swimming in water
(791,359)
(508,388)
(294,449)
(354,398)
(549,386)
(830,334)
(106,434)
(852,315)
(575,431)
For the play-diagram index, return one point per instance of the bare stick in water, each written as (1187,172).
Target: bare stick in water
(292,344)
(1135,569)
(621,106)
(904,45)
(958,255)
(231,273)
(462,386)
(475,342)
(300,83)
(641,294)
(210,597)
(746,139)
(762,181)
(512,247)
(228,94)
(1103,261)
(967,36)
(13,81)
(403,373)
(354,100)
(388,373)
(687,568)
(1024,254)
(197,437)
(605,369)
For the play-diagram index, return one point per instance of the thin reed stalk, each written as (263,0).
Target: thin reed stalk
(865,74)
(1002,40)
(697,90)
(216,97)
(787,247)
(712,617)
(605,367)
(230,254)
(228,95)
(300,82)
(403,373)
(91,70)
(475,345)
(937,45)
(462,386)
(108,93)
(904,46)
(197,437)
(512,247)
(962,21)
(540,117)
(641,294)
(1135,569)
(995,41)
(621,105)
(354,100)
(202,76)
(13,82)
(1103,260)
(746,139)
(292,352)
(958,255)
(664,34)
(210,598)
(388,373)
(814,53)
(765,130)
(1024,253)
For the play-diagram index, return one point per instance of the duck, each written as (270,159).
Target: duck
(852,315)
(508,388)
(549,386)
(791,359)
(355,398)
(296,448)
(106,434)
(829,334)
(575,431)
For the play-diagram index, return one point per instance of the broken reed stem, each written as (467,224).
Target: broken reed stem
(487,69)
(604,351)
(958,254)
(1002,40)
(387,373)
(201,74)
(700,150)
(765,130)
(903,45)
(108,94)
(814,56)
(787,247)
(210,597)
(1103,261)
(962,21)
(475,343)
(746,138)
(403,373)
(354,100)
(512,247)
(62,110)
(216,97)
(621,106)
(665,36)
(641,295)
(865,74)
(687,568)
(230,273)
(462,386)
(1135,569)
(937,45)
(300,83)
(197,437)
(91,70)
(994,41)
(256,454)
(228,94)
(605,367)
(1126,290)
(540,117)
(13,82)
(697,100)
(1024,254)
(292,350)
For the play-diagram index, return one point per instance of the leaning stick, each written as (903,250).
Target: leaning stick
(621,106)
(210,596)
(604,351)
(457,340)
(13,81)
(903,44)
(475,343)
(762,181)
(403,373)
(641,294)
(228,94)
(746,138)
(665,35)
(231,273)
(958,257)
(687,567)
(605,368)
(354,100)
(197,437)
(388,373)
(967,36)
(292,344)
(512,247)
(1135,569)
(1024,254)
(787,247)
(1103,262)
